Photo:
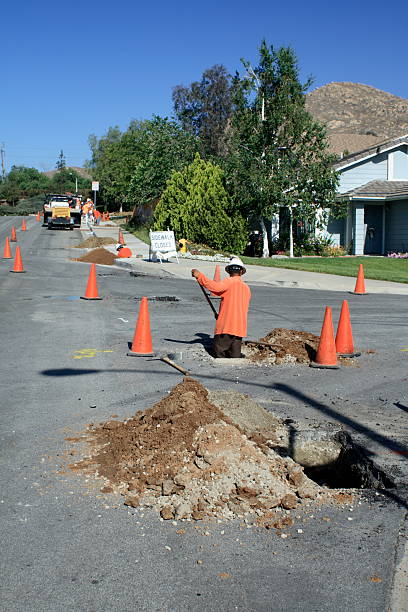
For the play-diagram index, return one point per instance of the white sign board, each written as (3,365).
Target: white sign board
(162,241)
(95,185)
(163,245)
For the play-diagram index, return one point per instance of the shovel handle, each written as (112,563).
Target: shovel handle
(209,301)
(174,365)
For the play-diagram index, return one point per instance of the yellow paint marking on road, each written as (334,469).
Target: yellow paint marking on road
(403,350)
(88,353)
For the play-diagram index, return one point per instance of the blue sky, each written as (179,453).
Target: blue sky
(69,70)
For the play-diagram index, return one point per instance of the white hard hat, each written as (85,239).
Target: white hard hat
(235,261)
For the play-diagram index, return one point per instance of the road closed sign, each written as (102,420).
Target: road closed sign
(162,242)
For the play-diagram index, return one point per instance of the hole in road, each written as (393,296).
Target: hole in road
(335,460)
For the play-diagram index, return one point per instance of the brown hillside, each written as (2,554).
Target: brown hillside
(81,171)
(358,116)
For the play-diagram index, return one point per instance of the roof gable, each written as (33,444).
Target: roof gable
(372,151)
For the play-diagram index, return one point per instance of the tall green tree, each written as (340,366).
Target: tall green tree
(61,161)
(114,160)
(197,206)
(204,109)
(133,166)
(67,180)
(167,148)
(23,182)
(278,152)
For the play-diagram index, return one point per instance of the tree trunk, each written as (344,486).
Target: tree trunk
(291,254)
(265,246)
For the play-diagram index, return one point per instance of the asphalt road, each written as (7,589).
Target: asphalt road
(65,546)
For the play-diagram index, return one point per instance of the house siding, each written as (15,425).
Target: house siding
(375,169)
(336,231)
(396,223)
(400,164)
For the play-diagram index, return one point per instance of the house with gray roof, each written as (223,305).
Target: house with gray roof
(374,185)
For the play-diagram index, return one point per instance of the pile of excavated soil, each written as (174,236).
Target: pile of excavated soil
(285,346)
(187,459)
(99,256)
(94,241)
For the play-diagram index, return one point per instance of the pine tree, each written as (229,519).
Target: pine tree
(61,162)
(196,205)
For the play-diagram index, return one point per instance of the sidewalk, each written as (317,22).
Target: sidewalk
(276,277)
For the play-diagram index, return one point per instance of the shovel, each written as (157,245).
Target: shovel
(171,363)
(215,313)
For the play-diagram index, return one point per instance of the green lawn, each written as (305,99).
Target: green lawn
(377,268)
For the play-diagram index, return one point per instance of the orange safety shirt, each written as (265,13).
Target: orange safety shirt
(235,296)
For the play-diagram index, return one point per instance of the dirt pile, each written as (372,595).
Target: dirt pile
(283,346)
(94,241)
(99,256)
(187,459)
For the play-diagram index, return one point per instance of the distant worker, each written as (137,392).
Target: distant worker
(87,210)
(123,251)
(97,216)
(231,325)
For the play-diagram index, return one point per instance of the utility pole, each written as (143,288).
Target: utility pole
(3,153)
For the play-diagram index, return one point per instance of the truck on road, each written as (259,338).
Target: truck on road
(61,210)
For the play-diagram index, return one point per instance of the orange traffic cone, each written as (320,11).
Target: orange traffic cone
(23,226)
(121,239)
(18,262)
(7,250)
(142,339)
(91,292)
(360,284)
(344,336)
(217,278)
(37,216)
(13,234)
(326,356)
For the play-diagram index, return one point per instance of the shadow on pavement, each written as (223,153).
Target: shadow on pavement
(401,406)
(391,445)
(204,339)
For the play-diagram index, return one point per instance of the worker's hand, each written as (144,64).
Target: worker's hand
(195,273)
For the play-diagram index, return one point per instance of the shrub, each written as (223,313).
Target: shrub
(197,206)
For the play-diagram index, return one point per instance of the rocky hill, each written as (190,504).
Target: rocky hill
(81,171)
(358,116)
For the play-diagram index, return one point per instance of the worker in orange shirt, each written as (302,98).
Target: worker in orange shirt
(231,325)
(97,216)
(85,210)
